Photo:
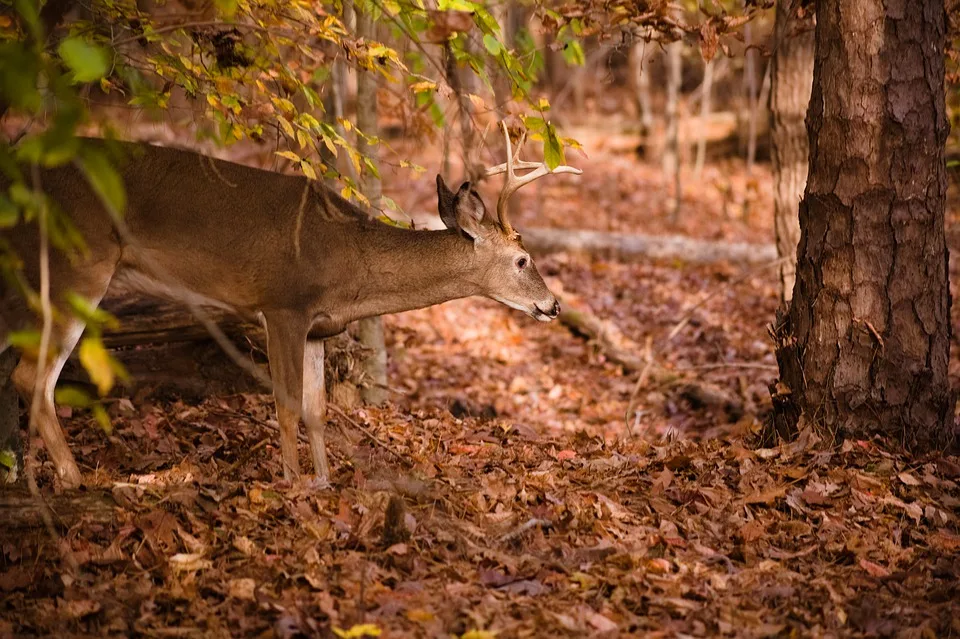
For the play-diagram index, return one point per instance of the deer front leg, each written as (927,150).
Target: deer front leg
(286,337)
(315,407)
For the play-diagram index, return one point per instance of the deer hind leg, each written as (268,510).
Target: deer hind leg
(25,378)
(286,339)
(90,281)
(315,407)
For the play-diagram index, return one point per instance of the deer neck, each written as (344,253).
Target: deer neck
(398,270)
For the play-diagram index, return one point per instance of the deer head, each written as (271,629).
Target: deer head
(506,271)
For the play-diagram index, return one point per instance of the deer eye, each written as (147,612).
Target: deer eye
(521,263)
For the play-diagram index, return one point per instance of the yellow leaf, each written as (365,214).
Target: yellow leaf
(96,361)
(355,159)
(290,155)
(419,615)
(346,124)
(478,634)
(358,632)
(212,99)
(423,87)
(307,169)
(302,138)
(477,101)
(286,126)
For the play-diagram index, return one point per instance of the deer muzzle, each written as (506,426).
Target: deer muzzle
(548,314)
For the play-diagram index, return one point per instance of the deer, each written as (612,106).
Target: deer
(282,249)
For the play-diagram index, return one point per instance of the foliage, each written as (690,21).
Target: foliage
(259,70)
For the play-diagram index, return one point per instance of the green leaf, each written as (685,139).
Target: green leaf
(93,317)
(573,53)
(492,44)
(8,459)
(87,61)
(552,149)
(72,396)
(104,179)
(9,213)
(96,361)
(374,171)
(100,414)
(227,8)
(24,340)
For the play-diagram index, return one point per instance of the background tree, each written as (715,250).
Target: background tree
(864,348)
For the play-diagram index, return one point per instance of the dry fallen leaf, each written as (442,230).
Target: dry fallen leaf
(874,570)
(241,588)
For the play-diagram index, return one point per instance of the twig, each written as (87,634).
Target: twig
(256,420)
(203,23)
(366,431)
(641,381)
(650,356)
(530,524)
(690,312)
(246,455)
(707,367)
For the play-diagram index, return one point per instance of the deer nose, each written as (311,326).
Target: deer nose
(555,310)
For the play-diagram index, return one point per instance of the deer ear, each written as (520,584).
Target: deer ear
(470,211)
(445,205)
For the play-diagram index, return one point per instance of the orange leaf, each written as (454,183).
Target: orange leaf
(874,570)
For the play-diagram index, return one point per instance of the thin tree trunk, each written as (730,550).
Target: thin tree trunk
(864,348)
(791,81)
(641,78)
(706,92)
(750,86)
(461,86)
(333,105)
(371,329)
(671,153)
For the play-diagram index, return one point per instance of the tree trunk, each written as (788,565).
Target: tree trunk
(461,86)
(704,116)
(791,81)
(750,91)
(864,348)
(371,329)
(671,153)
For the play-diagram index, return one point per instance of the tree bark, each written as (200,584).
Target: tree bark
(371,329)
(791,81)
(461,86)
(864,348)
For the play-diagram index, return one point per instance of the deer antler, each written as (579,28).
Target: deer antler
(513,182)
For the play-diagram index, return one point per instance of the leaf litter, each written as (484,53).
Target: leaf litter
(524,511)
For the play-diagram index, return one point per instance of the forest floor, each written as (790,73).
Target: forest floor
(501,492)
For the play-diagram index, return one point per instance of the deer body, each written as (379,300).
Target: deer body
(262,244)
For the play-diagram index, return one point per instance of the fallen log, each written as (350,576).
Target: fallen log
(577,316)
(624,246)
(19,510)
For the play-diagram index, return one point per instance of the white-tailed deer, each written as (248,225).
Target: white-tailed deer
(278,247)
